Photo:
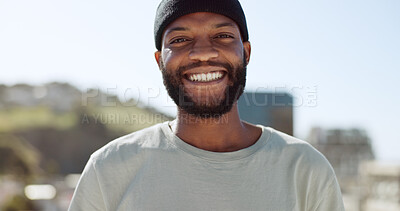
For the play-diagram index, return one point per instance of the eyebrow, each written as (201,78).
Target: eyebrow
(178,28)
(220,25)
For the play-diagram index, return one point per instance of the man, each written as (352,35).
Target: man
(206,159)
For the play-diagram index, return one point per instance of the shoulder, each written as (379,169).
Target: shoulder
(131,145)
(292,146)
(297,152)
(310,169)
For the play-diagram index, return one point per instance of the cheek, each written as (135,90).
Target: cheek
(239,52)
(234,52)
(166,54)
(171,59)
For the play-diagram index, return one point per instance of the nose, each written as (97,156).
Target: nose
(203,50)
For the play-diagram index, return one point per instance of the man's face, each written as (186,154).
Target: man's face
(203,62)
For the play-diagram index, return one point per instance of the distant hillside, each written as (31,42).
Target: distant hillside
(56,105)
(58,96)
(66,125)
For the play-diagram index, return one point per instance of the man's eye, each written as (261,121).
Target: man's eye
(224,36)
(179,40)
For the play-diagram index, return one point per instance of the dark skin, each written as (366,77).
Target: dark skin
(207,37)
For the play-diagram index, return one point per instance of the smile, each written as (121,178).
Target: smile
(205,77)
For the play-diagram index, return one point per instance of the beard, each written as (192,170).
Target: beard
(218,105)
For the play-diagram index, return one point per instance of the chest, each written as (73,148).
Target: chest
(191,185)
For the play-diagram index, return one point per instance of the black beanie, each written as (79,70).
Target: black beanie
(169,10)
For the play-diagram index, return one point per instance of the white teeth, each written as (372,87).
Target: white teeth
(203,77)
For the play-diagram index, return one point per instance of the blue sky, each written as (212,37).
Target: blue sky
(345,54)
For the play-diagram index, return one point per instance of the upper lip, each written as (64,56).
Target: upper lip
(204,69)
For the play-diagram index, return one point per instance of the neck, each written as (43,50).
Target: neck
(223,134)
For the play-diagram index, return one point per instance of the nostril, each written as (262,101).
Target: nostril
(203,54)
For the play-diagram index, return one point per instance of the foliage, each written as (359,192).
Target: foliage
(61,126)
(18,157)
(20,118)
(17,203)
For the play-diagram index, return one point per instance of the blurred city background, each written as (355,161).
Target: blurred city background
(75,75)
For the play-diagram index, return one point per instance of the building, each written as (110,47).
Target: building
(346,150)
(270,109)
(381,184)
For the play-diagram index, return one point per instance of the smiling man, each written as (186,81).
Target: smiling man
(206,159)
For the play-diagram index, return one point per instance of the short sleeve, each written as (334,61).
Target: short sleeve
(88,194)
(331,199)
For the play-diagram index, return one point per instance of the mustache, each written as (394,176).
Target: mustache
(227,66)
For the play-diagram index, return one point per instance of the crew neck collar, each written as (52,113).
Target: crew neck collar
(216,156)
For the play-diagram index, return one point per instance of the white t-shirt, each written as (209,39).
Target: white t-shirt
(153,169)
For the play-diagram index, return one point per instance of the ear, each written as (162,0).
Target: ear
(157,56)
(247,50)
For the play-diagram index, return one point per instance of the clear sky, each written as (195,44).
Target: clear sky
(340,59)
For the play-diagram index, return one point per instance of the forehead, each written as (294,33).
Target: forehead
(200,20)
